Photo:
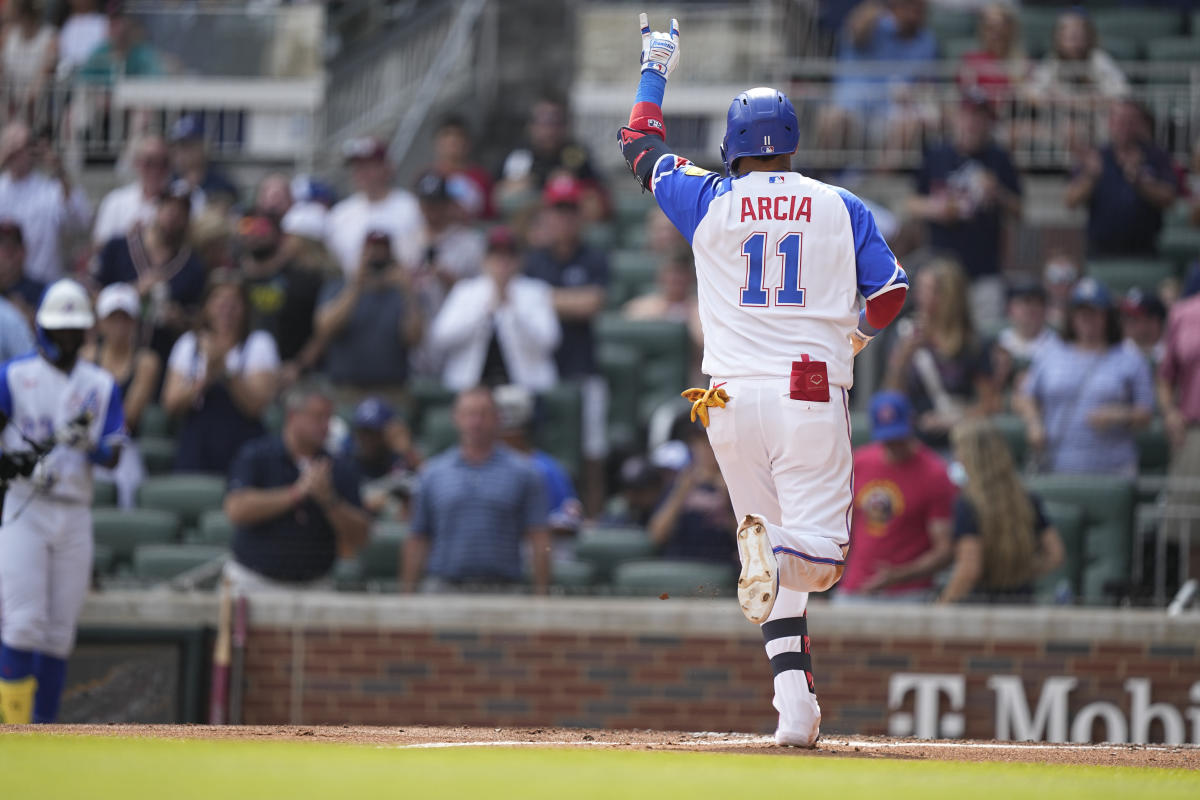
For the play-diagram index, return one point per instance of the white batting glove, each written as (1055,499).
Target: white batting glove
(660,51)
(74,434)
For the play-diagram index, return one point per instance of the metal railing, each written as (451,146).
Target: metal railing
(884,122)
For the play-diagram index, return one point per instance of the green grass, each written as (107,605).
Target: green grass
(40,766)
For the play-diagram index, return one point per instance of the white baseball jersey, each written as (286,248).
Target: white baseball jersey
(38,400)
(780,262)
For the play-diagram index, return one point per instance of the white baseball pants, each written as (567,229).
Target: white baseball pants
(45,572)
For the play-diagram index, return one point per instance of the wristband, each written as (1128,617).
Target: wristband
(651,88)
(102,454)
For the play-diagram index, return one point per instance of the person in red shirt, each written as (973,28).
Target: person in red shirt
(903,510)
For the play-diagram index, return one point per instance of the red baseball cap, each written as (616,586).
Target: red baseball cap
(562,190)
(364,148)
(501,238)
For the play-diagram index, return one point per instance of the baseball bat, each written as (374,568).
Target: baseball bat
(218,697)
(237,667)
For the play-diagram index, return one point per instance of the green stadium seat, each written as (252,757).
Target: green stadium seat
(604,548)
(619,365)
(1122,274)
(214,529)
(1180,244)
(1037,29)
(188,495)
(632,274)
(600,235)
(1012,428)
(955,48)
(674,578)
(633,236)
(437,431)
(162,562)
(158,453)
(103,560)
(573,576)
(1067,519)
(273,418)
(631,207)
(427,394)
(1138,24)
(1107,502)
(380,556)
(559,425)
(123,530)
(662,346)
(860,428)
(154,421)
(1154,451)
(1123,48)
(948,24)
(1173,49)
(104,494)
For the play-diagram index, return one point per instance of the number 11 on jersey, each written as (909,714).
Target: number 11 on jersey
(789,292)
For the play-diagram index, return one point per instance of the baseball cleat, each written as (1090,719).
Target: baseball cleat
(793,739)
(758,584)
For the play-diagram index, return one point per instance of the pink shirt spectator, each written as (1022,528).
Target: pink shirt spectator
(1181,365)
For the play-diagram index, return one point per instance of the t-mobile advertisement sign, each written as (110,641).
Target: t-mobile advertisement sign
(938,703)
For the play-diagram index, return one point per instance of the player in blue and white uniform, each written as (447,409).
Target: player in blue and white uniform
(781,262)
(59,416)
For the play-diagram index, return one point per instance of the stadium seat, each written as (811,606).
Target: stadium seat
(1037,29)
(632,274)
(1067,519)
(956,47)
(559,425)
(572,576)
(948,24)
(662,348)
(104,494)
(1178,243)
(601,235)
(1169,49)
(860,428)
(162,562)
(1154,452)
(437,431)
(604,548)
(1012,428)
(158,453)
(426,395)
(123,530)
(273,418)
(1122,274)
(1107,502)
(103,560)
(214,529)
(1123,48)
(674,578)
(619,365)
(188,495)
(154,421)
(1138,24)
(631,207)
(380,556)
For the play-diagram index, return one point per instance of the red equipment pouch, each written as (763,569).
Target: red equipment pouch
(810,381)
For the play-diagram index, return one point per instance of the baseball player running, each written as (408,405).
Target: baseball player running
(780,260)
(58,416)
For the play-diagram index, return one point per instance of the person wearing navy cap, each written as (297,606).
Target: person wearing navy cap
(1143,322)
(189,159)
(903,510)
(386,456)
(1084,400)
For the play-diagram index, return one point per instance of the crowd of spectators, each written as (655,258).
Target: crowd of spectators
(219,304)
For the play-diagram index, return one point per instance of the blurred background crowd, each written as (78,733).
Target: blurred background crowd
(367,348)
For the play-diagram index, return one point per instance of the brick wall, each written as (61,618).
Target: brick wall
(689,682)
(323,658)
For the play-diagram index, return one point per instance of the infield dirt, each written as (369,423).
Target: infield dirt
(421,737)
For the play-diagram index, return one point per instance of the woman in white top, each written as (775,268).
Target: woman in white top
(500,327)
(1076,65)
(135,369)
(30,51)
(84,29)
(220,379)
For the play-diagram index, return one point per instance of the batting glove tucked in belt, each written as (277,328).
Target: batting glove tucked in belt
(14,464)
(660,51)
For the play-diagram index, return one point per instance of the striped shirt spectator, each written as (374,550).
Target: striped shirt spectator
(475,504)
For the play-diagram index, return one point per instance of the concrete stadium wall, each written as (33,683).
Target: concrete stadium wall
(1040,673)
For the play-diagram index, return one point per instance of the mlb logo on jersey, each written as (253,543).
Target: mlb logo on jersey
(775,179)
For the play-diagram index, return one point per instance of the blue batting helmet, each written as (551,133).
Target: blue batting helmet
(761,122)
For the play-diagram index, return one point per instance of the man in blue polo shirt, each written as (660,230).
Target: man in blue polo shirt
(295,508)
(475,504)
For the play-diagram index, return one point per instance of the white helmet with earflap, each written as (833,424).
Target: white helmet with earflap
(65,306)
